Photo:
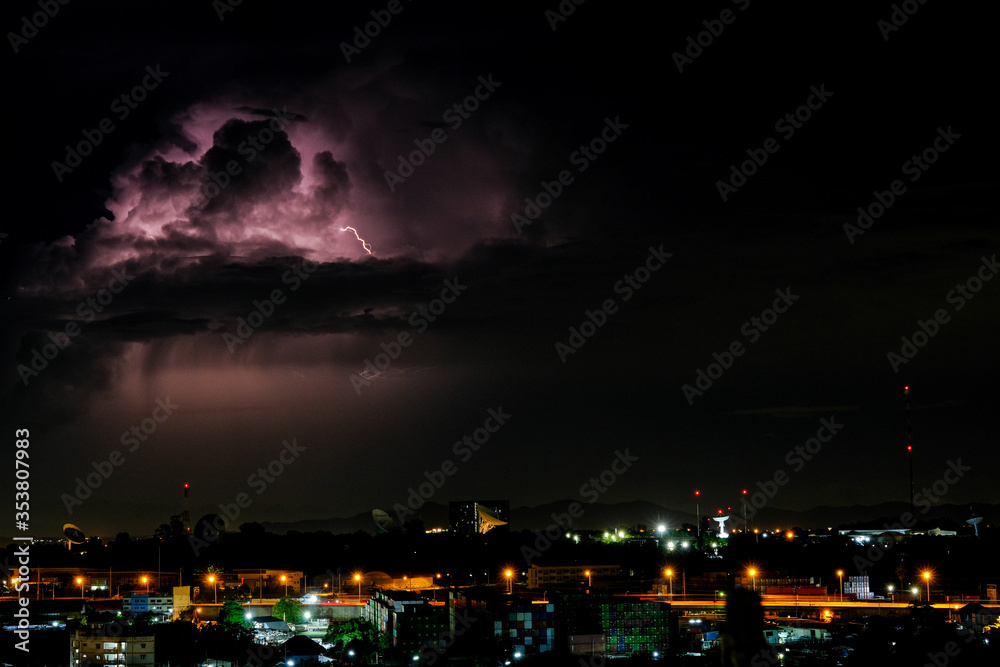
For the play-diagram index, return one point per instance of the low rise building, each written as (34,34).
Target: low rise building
(110,644)
(155,603)
(553,576)
(412,622)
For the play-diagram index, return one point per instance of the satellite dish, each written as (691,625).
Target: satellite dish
(383,522)
(488,520)
(73,535)
(975,523)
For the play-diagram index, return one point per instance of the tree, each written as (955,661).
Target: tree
(232,613)
(252,529)
(141,620)
(288,610)
(359,635)
(233,621)
(414,527)
(174,530)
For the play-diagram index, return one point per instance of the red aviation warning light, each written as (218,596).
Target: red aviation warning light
(909,448)
(697,493)
(906,389)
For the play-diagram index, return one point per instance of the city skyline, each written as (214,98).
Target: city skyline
(308,260)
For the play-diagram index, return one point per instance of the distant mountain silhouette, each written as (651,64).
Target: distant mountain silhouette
(604,516)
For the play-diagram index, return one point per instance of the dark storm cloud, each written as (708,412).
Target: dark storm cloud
(273,113)
(332,192)
(269,165)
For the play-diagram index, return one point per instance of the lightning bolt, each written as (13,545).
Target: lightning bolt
(367,247)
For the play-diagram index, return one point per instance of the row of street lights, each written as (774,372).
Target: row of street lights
(211,580)
(669,573)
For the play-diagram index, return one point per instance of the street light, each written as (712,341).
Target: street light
(79,580)
(145,580)
(590,578)
(357,578)
(510,582)
(927,579)
(211,580)
(284,580)
(889,586)
(840,573)
(753,573)
(670,577)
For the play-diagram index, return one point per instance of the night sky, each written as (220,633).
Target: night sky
(555,165)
